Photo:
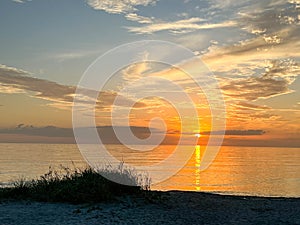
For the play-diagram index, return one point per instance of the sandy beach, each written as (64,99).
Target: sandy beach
(174,207)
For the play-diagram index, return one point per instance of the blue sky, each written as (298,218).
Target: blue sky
(57,40)
(48,39)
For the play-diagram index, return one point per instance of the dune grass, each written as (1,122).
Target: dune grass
(78,186)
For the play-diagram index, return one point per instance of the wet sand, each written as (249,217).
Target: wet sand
(174,207)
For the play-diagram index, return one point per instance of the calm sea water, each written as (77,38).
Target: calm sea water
(258,171)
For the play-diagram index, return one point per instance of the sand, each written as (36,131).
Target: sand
(174,207)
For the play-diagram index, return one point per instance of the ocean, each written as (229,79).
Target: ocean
(256,171)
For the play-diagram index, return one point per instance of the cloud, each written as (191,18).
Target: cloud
(254,88)
(235,132)
(250,106)
(197,40)
(275,81)
(265,65)
(255,50)
(13,80)
(180,26)
(138,18)
(129,9)
(225,132)
(276,28)
(64,56)
(47,131)
(119,6)
(138,70)
(244,5)
(268,21)
(108,136)
(19,1)
(51,133)
(261,67)
(126,7)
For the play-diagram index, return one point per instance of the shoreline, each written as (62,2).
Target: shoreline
(169,207)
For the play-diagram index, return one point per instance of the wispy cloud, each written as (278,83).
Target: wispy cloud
(70,55)
(19,1)
(59,134)
(129,9)
(140,19)
(119,6)
(249,106)
(180,26)
(13,80)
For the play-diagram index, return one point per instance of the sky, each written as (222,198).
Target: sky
(252,47)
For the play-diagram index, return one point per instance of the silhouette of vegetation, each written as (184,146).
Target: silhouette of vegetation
(78,186)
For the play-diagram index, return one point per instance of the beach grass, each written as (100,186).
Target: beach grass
(78,186)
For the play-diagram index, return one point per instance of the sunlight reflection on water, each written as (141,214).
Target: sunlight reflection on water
(236,170)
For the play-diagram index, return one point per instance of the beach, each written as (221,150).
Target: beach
(172,207)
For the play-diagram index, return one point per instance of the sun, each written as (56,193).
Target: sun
(198,135)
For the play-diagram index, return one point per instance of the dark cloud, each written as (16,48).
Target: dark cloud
(226,132)
(264,115)
(19,79)
(255,87)
(250,106)
(270,19)
(107,98)
(236,132)
(14,80)
(275,81)
(48,131)
(106,133)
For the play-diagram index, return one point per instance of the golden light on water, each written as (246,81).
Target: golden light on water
(197,166)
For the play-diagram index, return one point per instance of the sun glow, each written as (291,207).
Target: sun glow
(198,135)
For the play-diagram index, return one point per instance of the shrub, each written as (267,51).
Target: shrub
(78,186)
